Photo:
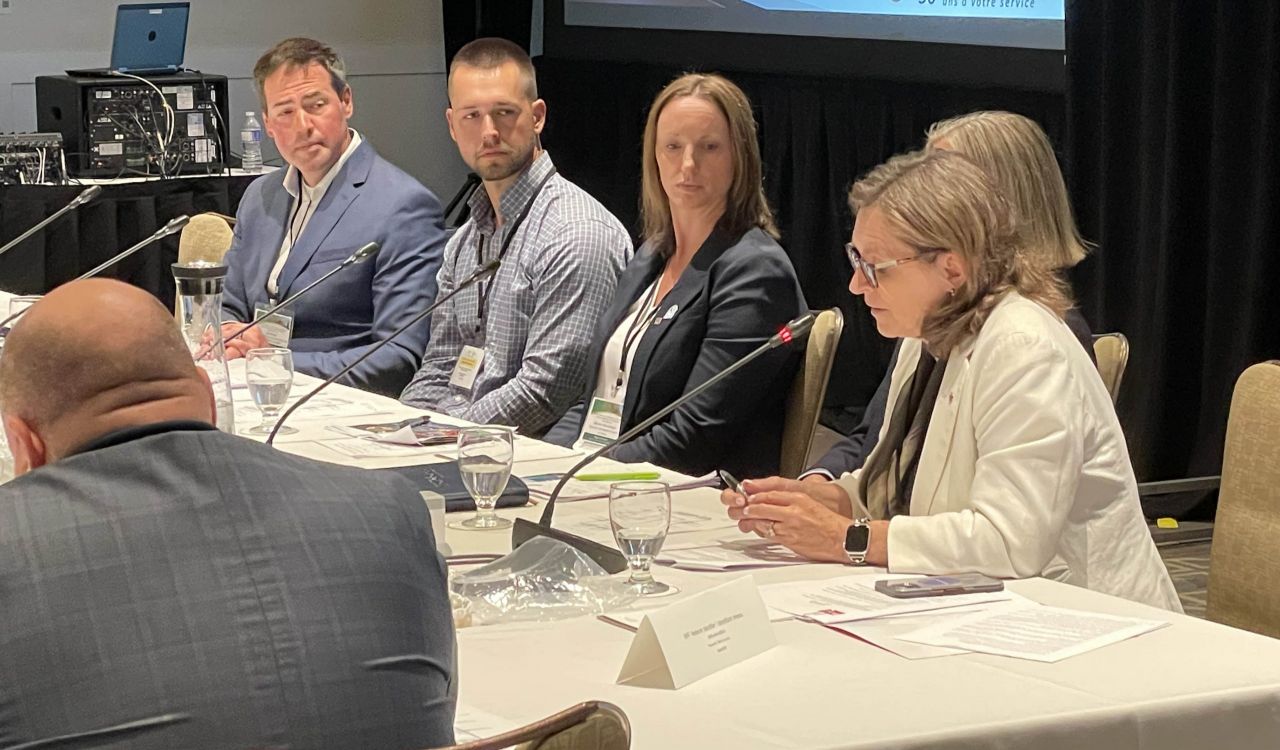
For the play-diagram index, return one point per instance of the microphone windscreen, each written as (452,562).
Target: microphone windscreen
(207,237)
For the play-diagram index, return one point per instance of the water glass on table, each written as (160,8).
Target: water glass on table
(485,455)
(17,305)
(21,303)
(269,373)
(640,514)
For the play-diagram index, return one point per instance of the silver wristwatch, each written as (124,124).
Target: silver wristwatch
(856,540)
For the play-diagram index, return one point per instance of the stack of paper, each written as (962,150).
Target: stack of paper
(1032,631)
(851,598)
(739,553)
(525,449)
(416,431)
(1001,623)
(682,521)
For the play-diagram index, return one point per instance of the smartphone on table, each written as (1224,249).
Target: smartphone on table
(961,583)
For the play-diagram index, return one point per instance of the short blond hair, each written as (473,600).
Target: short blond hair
(942,200)
(746,206)
(1015,151)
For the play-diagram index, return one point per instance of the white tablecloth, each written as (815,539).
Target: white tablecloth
(1194,684)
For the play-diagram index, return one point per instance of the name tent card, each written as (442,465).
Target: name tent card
(698,636)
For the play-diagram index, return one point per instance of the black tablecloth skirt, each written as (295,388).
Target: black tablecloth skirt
(121,216)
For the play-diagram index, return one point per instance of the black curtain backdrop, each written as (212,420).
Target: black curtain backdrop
(465,20)
(122,216)
(817,136)
(1175,117)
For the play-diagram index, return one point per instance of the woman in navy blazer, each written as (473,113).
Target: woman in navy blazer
(709,285)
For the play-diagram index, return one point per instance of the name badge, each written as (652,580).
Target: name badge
(468,368)
(603,424)
(277,328)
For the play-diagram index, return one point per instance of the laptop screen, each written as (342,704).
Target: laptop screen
(150,36)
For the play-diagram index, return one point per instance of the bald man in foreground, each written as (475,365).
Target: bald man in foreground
(164,584)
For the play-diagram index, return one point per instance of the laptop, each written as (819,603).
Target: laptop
(150,40)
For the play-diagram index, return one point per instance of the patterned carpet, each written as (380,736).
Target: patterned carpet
(1188,566)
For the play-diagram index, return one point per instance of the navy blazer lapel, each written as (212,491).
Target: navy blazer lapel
(690,286)
(341,194)
(277,203)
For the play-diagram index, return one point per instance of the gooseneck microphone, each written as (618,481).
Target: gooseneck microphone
(173,226)
(484,272)
(363,253)
(609,558)
(84,197)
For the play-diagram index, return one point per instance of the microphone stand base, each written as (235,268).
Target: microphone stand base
(606,557)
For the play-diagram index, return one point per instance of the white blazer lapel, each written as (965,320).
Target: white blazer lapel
(942,425)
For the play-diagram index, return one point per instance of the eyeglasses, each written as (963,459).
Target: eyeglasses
(869,270)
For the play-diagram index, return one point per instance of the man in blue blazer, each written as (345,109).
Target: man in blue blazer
(336,195)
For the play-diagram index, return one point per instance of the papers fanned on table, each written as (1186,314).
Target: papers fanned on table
(683,521)
(851,598)
(734,554)
(1035,632)
(420,430)
(1002,623)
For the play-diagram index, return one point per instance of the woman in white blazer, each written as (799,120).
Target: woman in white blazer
(1000,452)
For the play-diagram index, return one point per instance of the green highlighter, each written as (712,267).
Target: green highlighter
(625,476)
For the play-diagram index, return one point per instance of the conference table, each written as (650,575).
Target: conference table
(1192,684)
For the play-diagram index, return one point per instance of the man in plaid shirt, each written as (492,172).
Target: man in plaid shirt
(512,349)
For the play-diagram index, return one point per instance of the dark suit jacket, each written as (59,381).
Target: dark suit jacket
(850,453)
(735,294)
(269,599)
(369,201)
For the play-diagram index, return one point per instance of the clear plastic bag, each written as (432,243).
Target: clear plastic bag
(541,580)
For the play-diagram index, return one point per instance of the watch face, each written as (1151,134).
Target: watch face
(857,538)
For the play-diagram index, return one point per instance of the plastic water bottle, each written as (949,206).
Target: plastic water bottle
(251,143)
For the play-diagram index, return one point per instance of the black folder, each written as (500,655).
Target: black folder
(444,479)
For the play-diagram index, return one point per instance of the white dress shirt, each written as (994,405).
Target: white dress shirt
(629,331)
(305,199)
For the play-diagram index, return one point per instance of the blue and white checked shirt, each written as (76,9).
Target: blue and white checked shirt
(556,281)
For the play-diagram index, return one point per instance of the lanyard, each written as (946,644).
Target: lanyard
(482,301)
(636,330)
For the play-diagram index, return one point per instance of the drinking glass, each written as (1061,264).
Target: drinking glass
(269,373)
(640,513)
(20,304)
(484,459)
(16,305)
